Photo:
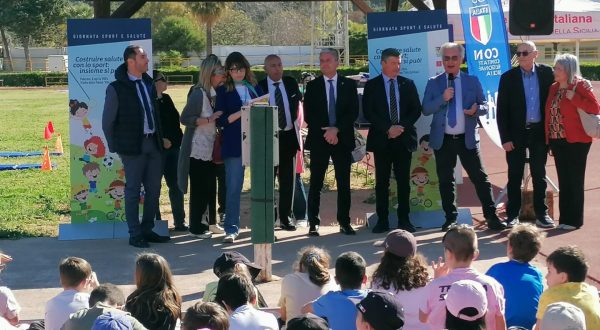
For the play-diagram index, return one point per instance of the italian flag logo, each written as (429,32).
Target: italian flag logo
(481,23)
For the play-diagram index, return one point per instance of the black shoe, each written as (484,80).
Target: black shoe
(545,222)
(406,225)
(347,230)
(138,242)
(494,223)
(381,227)
(511,222)
(313,230)
(153,237)
(288,227)
(181,227)
(448,224)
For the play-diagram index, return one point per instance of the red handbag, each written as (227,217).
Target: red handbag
(217,158)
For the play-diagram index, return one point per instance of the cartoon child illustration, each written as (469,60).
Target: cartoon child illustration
(419,177)
(80,111)
(92,171)
(426,151)
(116,190)
(93,147)
(80,194)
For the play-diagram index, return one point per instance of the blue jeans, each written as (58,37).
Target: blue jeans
(234,178)
(171,157)
(300,200)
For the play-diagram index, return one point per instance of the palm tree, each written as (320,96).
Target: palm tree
(207,13)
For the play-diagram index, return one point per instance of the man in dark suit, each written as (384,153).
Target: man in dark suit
(456,100)
(285,94)
(521,100)
(392,106)
(330,109)
(131,125)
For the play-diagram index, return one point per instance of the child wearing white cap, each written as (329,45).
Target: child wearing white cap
(466,306)
(563,316)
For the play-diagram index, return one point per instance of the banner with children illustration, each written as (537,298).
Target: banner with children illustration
(417,35)
(97,176)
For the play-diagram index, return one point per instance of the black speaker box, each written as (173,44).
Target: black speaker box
(531,17)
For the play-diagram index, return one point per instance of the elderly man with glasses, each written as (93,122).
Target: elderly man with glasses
(522,95)
(456,100)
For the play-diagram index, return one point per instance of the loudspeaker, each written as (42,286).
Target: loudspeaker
(531,17)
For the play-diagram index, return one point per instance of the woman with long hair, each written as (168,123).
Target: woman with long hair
(239,89)
(309,281)
(156,303)
(403,273)
(196,155)
(568,141)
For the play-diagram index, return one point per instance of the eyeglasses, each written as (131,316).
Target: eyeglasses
(450,58)
(237,70)
(218,71)
(160,79)
(524,54)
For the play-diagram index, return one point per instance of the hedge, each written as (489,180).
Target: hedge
(590,71)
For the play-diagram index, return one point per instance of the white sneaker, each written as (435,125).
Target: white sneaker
(229,238)
(204,235)
(216,229)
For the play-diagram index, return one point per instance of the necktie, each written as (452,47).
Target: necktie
(452,107)
(331,105)
(393,104)
(279,103)
(145,103)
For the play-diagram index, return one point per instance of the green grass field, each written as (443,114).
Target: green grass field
(32,202)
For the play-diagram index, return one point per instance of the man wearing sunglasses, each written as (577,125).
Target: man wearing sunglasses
(456,100)
(522,96)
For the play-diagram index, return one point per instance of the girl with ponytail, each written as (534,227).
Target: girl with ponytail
(310,280)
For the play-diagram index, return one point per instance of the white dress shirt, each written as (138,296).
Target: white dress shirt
(147,129)
(460,114)
(286,103)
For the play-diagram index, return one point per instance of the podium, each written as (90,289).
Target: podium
(260,151)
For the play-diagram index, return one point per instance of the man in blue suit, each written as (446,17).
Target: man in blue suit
(455,99)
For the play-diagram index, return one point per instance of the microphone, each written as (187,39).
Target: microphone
(450,82)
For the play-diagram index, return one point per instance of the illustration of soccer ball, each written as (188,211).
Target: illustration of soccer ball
(108,161)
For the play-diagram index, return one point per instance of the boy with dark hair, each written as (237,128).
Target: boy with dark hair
(338,307)
(567,270)
(522,282)
(103,299)
(207,315)
(460,250)
(236,293)
(77,280)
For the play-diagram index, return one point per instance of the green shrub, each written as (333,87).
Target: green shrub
(34,78)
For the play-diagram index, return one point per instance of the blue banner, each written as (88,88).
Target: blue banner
(487,52)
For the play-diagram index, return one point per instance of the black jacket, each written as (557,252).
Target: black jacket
(123,116)
(169,120)
(316,116)
(376,110)
(511,104)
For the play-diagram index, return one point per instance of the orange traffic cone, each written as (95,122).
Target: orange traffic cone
(58,147)
(46,164)
(47,133)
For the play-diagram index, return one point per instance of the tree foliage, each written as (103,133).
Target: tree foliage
(236,28)
(357,36)
(178,33)
(207,13)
